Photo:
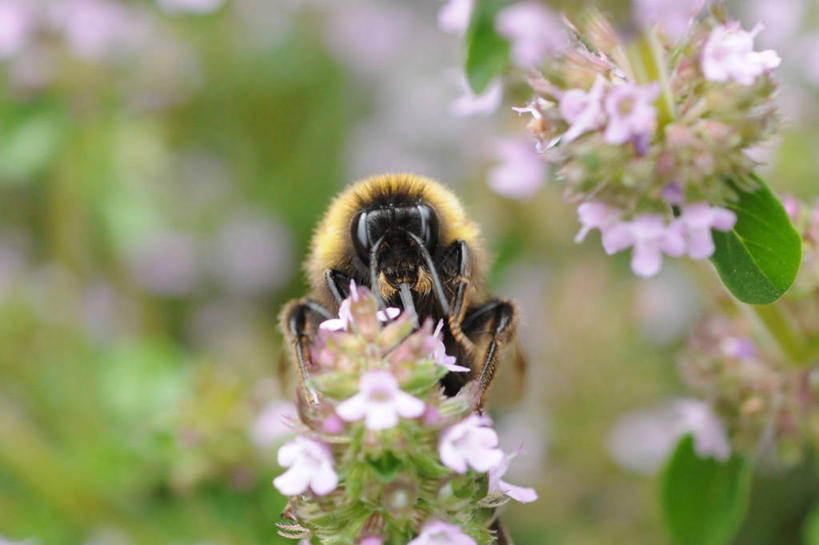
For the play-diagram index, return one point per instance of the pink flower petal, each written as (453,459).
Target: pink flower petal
(352,409)
(293,481)
(646,260)
(324,480)
(408,406)
(518,493)
(724,219)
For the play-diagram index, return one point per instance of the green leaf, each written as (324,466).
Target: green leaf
(487,53)
(758,260)
(386,466)
(704,500)
(811,527)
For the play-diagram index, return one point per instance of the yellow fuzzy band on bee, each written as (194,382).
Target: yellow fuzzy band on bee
(331,241)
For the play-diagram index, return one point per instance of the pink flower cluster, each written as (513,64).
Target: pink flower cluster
(625,110)
(377,386)
(650,235)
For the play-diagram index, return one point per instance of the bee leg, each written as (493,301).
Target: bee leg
(501,535)
(338,284)
(294,324)
(457,259)
(497,318)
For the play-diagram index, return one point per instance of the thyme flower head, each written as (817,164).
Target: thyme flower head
(648,128)
(384,457)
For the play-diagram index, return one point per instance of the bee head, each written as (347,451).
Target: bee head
(394,238)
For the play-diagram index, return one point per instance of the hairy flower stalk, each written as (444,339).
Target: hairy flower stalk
(764,390)
(385,457)
(647,129)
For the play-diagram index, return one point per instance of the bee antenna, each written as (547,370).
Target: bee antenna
(374,272)
(433,272)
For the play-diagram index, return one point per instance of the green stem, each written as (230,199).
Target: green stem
(648,63)
(781,330)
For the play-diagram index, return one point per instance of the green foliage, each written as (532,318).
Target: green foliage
(487,53)
(758,260)
(703,500)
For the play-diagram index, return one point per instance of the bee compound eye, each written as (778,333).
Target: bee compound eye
(428,226)
(361,236)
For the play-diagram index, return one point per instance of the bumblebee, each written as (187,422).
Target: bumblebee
(408,239)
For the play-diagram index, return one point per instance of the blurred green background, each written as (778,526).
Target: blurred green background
(162,165)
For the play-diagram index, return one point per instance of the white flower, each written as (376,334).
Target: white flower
(498,486)
(729,55)
(439,353)
(311,466)
(470,443)
(345,315)
(441,533)
(380,402)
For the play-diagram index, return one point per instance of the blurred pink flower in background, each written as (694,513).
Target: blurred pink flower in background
(521,171)
(533,31)
(673,16)
(190,6)
(167,263)
(310,466)
(99,29)
(791,204)
(470,104)
(454,16)
(252,253)
(739,348)
(729,54)
(470,443)
(380,402)
(781,24)
(810,46)
(666,306)
(441,533)
(371,540)
(369,37)
(274,423)
(17,22)
(641,440)
(631,112)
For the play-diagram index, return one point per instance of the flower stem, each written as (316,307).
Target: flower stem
(779,327)
(647,59)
